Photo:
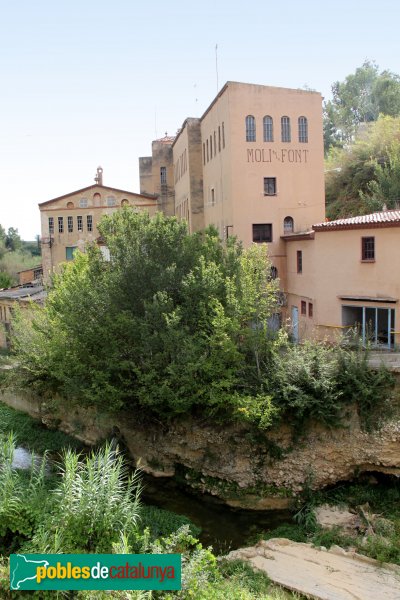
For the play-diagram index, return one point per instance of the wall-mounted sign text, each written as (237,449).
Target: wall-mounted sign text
(284,155)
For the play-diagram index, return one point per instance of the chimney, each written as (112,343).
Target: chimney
(99,176)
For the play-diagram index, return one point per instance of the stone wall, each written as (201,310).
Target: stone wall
(244,468)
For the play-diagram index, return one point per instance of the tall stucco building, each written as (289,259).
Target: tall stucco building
(253,166)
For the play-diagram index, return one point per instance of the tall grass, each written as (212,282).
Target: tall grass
(21,495)
(94,503)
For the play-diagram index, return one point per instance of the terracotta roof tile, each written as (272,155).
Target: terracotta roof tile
(384,218)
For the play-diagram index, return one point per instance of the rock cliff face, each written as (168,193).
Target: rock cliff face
(246,469)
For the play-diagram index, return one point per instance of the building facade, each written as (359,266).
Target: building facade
(70,222)
(253,166)
(157,174)
(342,274)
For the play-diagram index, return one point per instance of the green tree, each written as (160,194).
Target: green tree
(351,171)
(360,98)
(5,280)
(384,189)
(170,324)
(13,241)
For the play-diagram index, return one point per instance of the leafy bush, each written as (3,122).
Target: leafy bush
(172,324)
(161,523)
(21,496)
(32,434)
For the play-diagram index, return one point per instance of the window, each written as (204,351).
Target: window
(163,175)
(83,202)
(303,130)
(268,129)
(70,221)
(299,261)
(51,225)
(204,153)
(60,225)
(285,129)
(211,147)
(303,307)
(89,222)
(223,135)
(269,186)
(250,128)
(219,138)
(274,273)
(207,151)
(70,205)
(69,252)
(215,143)
(368,248)
(111,201)
(310,309)
(212,196)
(124,202)
(288,225)
(262,232)
(79,223)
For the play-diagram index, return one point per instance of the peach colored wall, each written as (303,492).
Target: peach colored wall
(188,175)
(217,171)
(53,256)
(182,176)
(237,173)
(332,267)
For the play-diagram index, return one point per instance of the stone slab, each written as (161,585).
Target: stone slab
(321,574)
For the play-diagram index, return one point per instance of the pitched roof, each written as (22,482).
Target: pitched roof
(103,187)
(384,218)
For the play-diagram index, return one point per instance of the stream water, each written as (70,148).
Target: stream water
(222,527)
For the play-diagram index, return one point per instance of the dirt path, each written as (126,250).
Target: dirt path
(325,575)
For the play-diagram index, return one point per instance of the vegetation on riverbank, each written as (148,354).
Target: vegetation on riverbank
(31,434)
(181,324)
(94,506)
(378,507)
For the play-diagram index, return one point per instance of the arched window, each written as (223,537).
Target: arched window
(303,130)
(285,129)
(268,129)
(70,205)
(124,202)
(288,225)
(250,128)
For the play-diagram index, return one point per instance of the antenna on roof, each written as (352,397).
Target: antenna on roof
(99,176)
(216,64)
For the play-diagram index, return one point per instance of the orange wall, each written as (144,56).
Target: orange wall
(332,267)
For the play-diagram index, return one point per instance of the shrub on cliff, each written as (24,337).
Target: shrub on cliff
(177,323)
(173,322)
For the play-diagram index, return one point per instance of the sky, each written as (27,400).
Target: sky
(87,83)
